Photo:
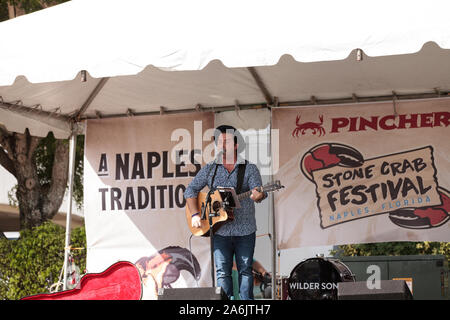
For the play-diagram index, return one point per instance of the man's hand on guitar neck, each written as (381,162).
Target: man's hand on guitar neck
(257,196)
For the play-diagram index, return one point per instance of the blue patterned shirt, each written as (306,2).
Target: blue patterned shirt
(244,222)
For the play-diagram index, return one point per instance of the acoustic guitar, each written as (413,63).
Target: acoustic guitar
(222,213)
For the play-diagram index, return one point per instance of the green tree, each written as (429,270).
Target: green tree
(13,8)
(45,157)
(394,249)
(3,11)
(31,264)
(40,166)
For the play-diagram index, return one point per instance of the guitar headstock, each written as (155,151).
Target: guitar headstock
(276,185)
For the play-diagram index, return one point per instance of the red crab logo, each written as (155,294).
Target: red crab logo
(331,154)
(313,126)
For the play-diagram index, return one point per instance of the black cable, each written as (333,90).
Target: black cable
(192,260)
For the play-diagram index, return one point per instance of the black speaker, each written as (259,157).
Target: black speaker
(389,290)
(210,293)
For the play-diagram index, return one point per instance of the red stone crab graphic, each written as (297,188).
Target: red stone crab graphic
(314,126)
(424,218)
(327,155)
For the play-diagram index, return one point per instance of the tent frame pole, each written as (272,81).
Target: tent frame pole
(91,98)
(67,248)
(259,82)
(316,102)
(272,209)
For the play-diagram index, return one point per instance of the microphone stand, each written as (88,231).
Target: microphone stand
(211,240)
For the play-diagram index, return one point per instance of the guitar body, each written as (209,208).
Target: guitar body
(216,204)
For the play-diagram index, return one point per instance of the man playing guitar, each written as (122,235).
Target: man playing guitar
(236,237)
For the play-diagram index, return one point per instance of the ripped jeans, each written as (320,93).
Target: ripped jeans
(242,247)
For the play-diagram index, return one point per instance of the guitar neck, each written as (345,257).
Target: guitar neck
(267,188)
(247,194)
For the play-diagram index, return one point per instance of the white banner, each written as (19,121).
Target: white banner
(363,173)
(136,171)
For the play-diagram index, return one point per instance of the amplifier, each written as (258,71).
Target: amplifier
(389,290)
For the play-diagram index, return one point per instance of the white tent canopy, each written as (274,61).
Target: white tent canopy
(219,52)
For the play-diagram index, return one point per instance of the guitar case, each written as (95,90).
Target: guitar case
(121,281)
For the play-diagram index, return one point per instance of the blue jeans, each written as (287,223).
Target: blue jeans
(242,248)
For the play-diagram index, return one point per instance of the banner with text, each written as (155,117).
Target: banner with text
(363,173)
(136,171)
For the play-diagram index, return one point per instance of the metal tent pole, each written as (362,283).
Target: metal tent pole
(72,147)
(272,207)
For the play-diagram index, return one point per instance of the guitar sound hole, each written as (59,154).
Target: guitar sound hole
(216,206)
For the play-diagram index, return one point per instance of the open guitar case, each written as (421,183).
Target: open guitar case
(121,281)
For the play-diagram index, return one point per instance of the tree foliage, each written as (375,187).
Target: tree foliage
(3,10)
(34,5)
(31,264)
(45,157)
(25,6)
(41,167)
(394,249)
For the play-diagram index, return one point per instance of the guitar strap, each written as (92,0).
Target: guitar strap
(214,176)
(240,177)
